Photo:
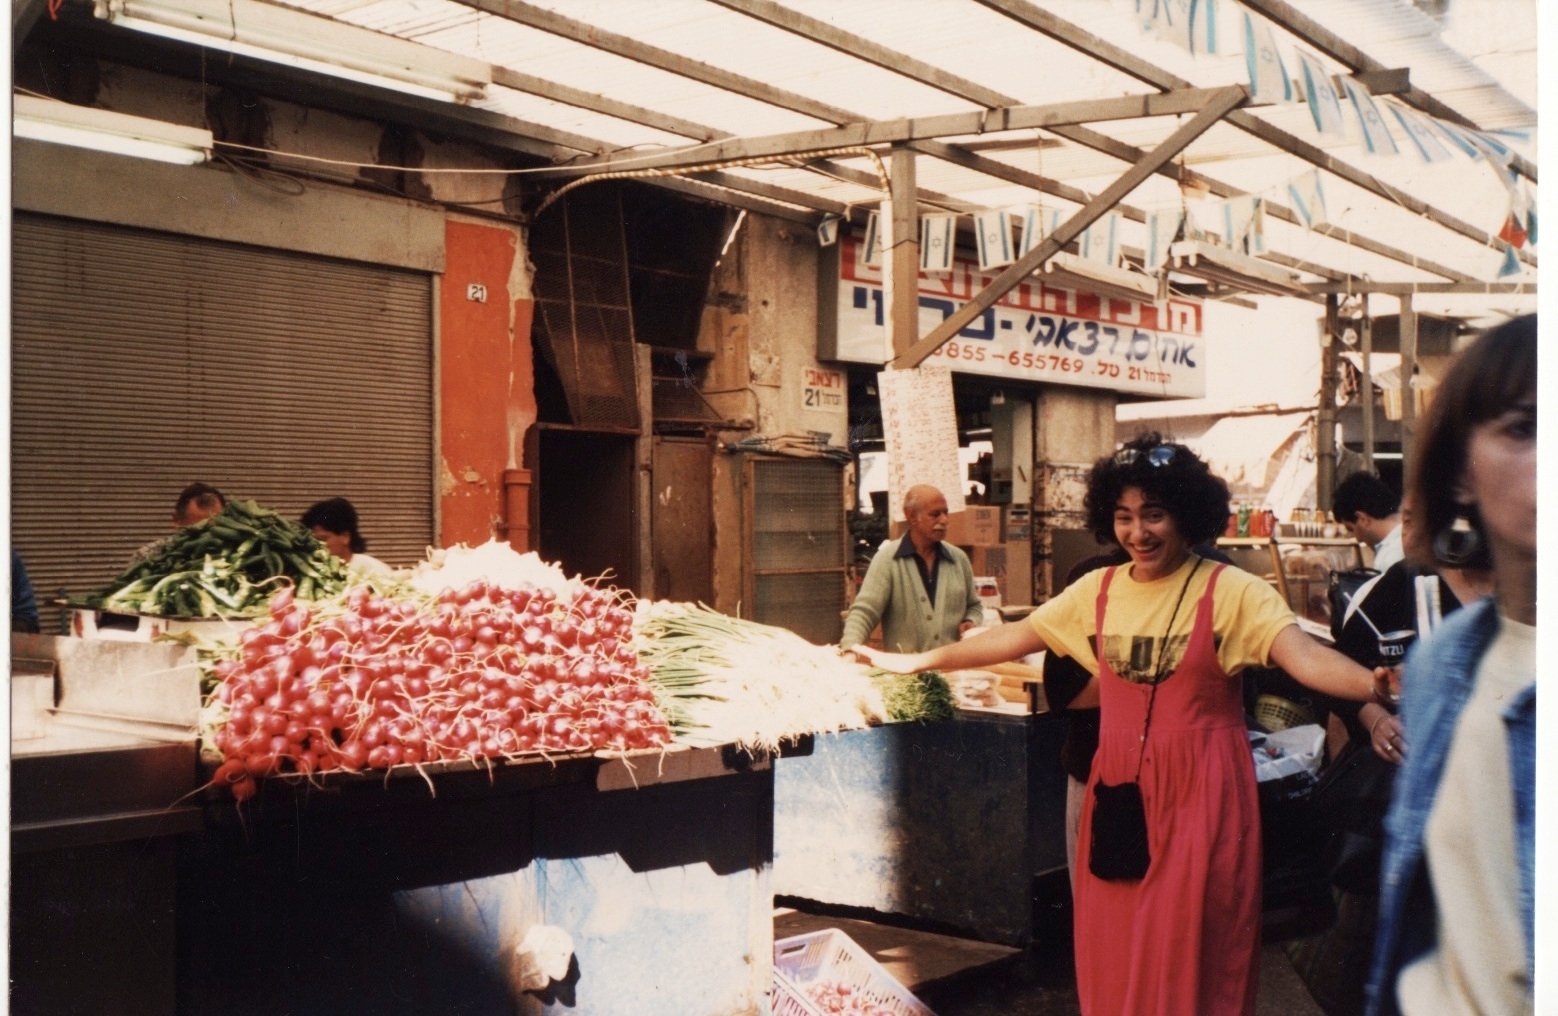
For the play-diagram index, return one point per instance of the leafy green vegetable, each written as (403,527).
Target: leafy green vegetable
(910,697)
(226,566)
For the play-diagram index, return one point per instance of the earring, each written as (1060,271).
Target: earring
(1461,544)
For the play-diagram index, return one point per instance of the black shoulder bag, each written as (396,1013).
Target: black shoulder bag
(1119,850)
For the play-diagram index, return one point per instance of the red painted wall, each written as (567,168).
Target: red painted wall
(486,388)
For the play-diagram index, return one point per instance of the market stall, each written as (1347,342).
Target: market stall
(564,798)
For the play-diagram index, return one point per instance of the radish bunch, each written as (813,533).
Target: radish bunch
(369,681)
(840,998)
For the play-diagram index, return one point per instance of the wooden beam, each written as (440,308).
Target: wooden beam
(581,99)
(861,48)
(866,49)
(886,132)
(1026,13)
(1228,99)
(1408,288)
(641,52)
(736,199)
(902,275)
(1290,18)
(760,189)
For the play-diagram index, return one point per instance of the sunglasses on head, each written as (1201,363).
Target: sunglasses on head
(1157,457)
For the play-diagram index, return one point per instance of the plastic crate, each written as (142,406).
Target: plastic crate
(831,955)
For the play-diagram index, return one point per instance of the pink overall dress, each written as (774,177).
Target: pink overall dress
(1185,939)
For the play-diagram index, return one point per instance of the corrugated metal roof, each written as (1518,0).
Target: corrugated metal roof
(981,57)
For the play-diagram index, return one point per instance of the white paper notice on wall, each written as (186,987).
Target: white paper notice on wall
(919,422)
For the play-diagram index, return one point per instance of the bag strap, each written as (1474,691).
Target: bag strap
(1157,672)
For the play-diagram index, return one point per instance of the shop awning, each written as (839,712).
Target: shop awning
(1249,451)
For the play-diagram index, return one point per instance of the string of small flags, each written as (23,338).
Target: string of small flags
(1198,26)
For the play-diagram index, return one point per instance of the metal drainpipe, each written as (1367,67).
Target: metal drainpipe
(516,508)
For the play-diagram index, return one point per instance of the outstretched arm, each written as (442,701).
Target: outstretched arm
(1001,644)
(1325,670)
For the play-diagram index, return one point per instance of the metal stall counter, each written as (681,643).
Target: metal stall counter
(606,883)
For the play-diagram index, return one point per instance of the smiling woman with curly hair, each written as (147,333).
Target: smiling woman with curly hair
(1168,903)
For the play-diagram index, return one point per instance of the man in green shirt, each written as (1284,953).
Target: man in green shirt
(919,588)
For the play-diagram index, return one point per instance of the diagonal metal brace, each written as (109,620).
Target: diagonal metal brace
(1223,101)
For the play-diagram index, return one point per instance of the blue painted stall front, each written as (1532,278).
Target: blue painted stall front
(371,896)
(947,822)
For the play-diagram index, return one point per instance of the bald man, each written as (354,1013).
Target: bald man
(919,588)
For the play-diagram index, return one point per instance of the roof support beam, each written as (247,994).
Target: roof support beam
(866,49)
(1026,13)
(1228,99)
(653,56)
(581,99)
(1429,288)
(861,48)
(884,132)
(736,199)
(1285,15)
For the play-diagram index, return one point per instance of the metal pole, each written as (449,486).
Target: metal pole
(902,280)
(1408,372)
(1325,453)
(1366,327)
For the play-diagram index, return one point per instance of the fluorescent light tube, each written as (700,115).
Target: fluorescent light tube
(1230,267)
(1100,279)
(85,127)
(297,38)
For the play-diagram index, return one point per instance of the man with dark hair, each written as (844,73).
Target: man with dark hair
(918,588)
(195,503)
(1372,512)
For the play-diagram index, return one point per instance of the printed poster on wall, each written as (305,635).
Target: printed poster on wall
(920,424)
(1037,332)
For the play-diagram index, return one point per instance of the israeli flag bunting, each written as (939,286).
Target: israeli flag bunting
(1454,136)
(1037,223)
(937,235)
(993,231)
(1203,26)
(1172,22)
(1101,241)
(1376,136)
(872,254)
(1420,134)
(1308,199)
(1320,93)
(1269,81)
(1162,228)
(1243,224)
(1511,265)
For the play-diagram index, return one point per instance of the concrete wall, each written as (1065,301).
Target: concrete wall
(760,323)
(1073,427)
(484,397)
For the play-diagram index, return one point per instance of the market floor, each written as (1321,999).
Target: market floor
(959,977)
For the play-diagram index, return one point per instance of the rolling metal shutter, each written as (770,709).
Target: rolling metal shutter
(143,361)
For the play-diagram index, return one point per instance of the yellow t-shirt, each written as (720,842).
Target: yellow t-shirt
(1247,615)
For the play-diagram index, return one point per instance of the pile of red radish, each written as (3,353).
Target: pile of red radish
(369,682)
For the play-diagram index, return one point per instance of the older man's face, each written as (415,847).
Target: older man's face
(928,523)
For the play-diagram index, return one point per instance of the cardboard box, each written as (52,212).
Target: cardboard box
(976,526)
(1010,565)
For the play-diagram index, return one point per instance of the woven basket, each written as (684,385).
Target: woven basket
(1277,713)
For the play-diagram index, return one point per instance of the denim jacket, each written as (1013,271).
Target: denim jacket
(1438,682)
